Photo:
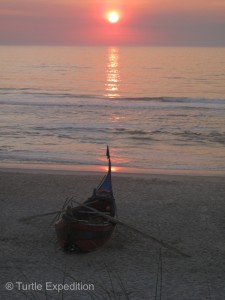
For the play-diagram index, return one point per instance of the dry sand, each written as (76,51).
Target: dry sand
(187,212)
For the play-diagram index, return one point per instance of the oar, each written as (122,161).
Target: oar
(66,202)
(41,215)
(54,212)
(116,221)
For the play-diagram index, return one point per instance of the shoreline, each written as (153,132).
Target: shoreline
(98,170)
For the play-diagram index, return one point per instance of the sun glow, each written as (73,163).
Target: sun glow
(113,17)
(113,169)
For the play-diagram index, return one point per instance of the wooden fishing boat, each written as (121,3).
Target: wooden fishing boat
(84,228)
(90,225)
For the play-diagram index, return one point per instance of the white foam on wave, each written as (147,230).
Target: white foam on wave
(64,100)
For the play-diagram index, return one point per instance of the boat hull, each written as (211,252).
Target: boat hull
(81,236)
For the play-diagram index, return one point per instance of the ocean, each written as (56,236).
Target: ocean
(157,108)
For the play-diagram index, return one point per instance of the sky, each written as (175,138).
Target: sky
(142,22)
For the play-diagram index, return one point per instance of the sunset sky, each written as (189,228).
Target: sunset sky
(84,22)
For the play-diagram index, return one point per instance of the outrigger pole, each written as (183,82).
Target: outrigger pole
(115,221)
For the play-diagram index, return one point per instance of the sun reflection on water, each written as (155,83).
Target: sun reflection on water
(112,74)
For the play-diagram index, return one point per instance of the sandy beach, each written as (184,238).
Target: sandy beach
(187,212)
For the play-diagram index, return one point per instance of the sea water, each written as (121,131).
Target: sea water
(157,108)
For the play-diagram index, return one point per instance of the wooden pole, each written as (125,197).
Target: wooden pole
(116,221)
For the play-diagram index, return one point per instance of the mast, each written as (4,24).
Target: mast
(108,156)
(106,183)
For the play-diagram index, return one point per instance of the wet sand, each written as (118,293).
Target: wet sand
(187,212)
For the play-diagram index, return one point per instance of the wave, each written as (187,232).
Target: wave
(161,134)
(174,99)
(69,99)
(99,134)
(69,94)
(213,136)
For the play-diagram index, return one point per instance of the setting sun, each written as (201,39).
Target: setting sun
(113,16)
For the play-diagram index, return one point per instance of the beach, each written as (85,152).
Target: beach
(185,211)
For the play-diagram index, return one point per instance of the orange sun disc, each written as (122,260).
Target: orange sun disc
(113,17)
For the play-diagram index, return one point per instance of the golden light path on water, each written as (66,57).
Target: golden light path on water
(112,74)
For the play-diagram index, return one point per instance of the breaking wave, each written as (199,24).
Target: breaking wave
(29,97)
